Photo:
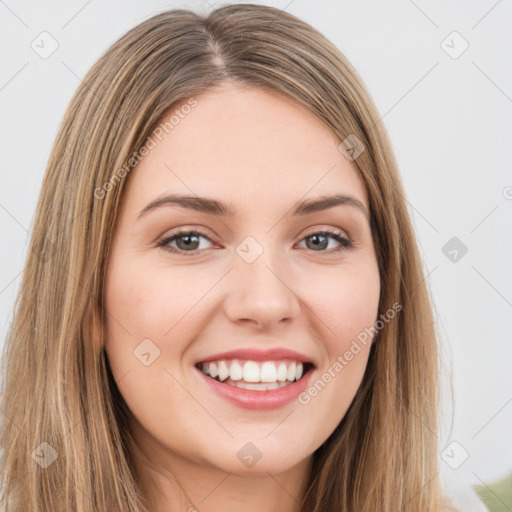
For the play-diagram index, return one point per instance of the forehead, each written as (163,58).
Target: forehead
(248,145)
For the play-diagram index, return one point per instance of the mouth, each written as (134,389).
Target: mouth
(256,375)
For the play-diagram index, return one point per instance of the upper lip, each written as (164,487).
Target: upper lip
(258,355)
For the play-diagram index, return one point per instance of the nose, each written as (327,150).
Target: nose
(261,293)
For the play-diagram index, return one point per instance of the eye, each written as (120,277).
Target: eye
(189,241)
(320,239)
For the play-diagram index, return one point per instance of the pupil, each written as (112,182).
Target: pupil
(188,242)
(322,245)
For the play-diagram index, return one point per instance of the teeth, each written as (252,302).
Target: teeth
(224,371)
(264,375)
(298,371)
(251,372)
(268,372)
(260,386)
(235,373)
(290,375)
(282,371)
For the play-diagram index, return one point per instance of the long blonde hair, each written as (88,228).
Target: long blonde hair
(57,386)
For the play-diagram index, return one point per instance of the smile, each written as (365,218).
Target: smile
(256,384)
(256,375)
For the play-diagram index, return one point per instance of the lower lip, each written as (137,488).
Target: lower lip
(258,400)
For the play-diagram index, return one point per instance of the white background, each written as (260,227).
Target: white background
(450,121)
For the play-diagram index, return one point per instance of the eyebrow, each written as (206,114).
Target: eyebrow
(215,207)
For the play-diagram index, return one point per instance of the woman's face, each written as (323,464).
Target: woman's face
(263,284)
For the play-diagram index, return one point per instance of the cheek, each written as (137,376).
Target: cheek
(347,304)
(152,314)
(148,302)
(348,308)
(147,315)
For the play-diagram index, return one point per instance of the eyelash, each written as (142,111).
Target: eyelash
(345,243)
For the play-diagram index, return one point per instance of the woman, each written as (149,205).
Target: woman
(289,360)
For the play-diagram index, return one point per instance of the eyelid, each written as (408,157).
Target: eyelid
(186,230)
(329,228)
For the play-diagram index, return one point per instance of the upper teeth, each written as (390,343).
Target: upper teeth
(253,371)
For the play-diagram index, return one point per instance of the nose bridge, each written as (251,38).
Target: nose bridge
(261,289)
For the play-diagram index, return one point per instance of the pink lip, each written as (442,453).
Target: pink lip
(258,400)
(258,355)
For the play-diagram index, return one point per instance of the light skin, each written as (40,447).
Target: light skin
(259,153)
